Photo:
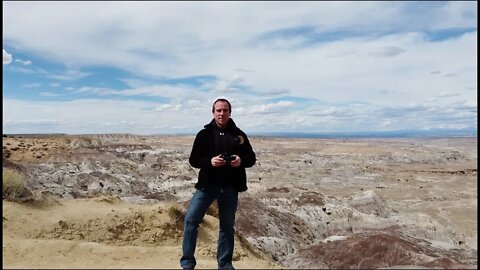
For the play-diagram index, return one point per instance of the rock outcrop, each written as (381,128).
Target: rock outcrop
(311,203)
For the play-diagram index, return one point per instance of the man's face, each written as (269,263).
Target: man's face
(221,113)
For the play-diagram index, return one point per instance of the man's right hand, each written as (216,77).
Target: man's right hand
(218,161)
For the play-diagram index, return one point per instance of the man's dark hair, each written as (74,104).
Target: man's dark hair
(224,100)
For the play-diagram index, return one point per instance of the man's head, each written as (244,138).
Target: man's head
(221,110)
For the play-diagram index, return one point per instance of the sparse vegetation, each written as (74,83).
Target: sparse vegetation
(13,184)
(174,212)
(177,215)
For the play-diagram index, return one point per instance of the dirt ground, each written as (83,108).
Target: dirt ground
(108,201)
(105,233)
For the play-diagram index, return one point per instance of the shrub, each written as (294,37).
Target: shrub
(13,183)
(177,215)
(174,212)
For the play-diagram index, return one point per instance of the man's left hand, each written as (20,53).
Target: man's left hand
(236,162)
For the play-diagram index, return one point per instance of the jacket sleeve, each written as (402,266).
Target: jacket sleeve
(200,157)
(246,153)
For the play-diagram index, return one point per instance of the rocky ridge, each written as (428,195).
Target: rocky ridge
(312,203)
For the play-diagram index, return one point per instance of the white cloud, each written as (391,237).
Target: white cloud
(7,58)
(376,53)
(145,117)
(86,90)
(180,34)
(278,107)
(32,85)
(97,116)
(169,107)
(23,62)
(67,75)
(457,14)
(388,51)
(448,95)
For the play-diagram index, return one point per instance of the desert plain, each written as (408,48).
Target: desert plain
(118,200)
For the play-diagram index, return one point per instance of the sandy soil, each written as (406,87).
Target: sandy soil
(106,202)
(105,233)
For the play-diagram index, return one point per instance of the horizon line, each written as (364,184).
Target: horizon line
(292,134)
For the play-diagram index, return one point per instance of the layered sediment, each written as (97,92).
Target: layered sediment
(311,203)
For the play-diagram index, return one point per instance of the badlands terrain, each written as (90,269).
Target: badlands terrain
(117,201)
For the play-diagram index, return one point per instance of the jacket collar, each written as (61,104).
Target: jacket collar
(230,125)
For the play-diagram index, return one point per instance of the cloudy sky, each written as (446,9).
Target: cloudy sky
(156,67)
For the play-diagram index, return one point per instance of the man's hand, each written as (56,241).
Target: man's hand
(236,162)
(218,161)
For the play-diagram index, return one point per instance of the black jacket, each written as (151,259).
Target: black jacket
(213,141)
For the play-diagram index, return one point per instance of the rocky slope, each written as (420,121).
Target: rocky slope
(312,203)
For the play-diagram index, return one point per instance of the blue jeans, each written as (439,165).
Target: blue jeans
(227,200)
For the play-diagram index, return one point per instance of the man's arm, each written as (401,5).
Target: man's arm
(199,157)
(247,155)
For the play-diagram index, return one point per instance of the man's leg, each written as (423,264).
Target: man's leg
(199,204)
(227,207)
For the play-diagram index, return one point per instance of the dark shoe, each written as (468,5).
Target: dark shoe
(226,267)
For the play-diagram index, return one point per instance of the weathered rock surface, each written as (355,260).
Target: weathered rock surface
(312,203)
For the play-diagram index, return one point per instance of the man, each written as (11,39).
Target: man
(222,152)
